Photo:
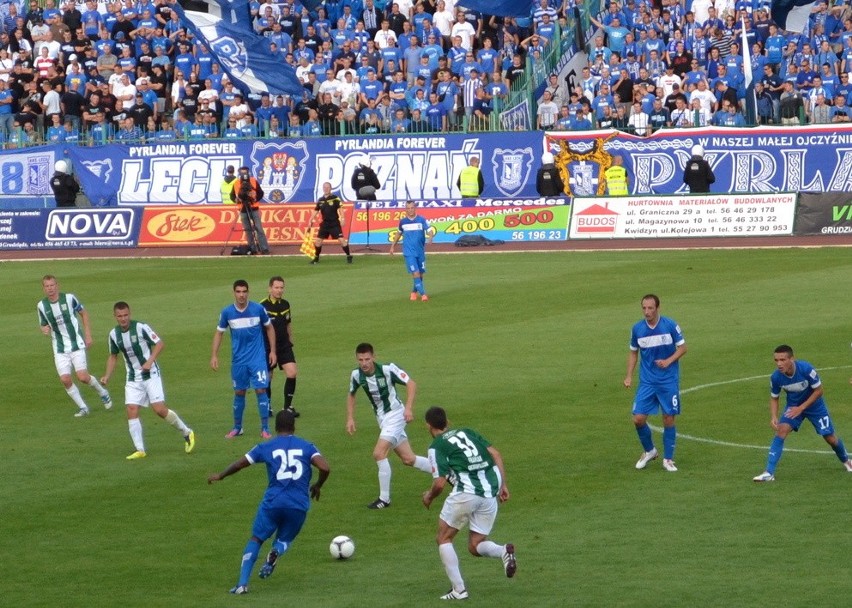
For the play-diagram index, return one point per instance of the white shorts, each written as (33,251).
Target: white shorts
(469,509)
(392,428)
(68,362)
(144,392)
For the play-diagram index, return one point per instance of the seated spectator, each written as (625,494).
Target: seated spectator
(659,116)
(639,121)
(820,113)
(840,111)
(698,115)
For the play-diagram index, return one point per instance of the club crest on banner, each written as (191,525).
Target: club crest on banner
(38,174)
(511,169)
(585,177)
(101,168)
(279,168)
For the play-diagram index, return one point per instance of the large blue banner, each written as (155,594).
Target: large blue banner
(416,167)
(426,167)
(817,158)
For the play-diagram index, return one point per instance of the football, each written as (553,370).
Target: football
(342,547)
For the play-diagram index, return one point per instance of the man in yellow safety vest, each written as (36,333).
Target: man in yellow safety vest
(470,182)
(616,178)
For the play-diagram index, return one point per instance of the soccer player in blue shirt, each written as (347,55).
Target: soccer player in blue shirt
(247,320)
(415,233)
(804,391)
(285,503)
(660,343)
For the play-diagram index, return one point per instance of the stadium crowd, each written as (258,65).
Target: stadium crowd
(131,71)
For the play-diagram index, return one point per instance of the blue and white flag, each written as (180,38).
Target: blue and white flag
(233,11)
(792,15)
(750,98)
(244,55)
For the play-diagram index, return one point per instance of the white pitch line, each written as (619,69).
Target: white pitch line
(731,444)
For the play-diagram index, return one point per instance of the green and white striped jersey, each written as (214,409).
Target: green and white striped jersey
(462,456)
(61,317)
(380,386)
(135,345)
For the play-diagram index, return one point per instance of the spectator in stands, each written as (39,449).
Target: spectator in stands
(547,113)
(792,105)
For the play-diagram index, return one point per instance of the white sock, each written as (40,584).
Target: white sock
(135,427)
(93,382)
(76,397)
(173,419)
(384,479)
(422,464)
(488,549)
(451,565)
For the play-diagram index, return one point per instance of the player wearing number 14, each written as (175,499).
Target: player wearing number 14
(285,504)
(804,391)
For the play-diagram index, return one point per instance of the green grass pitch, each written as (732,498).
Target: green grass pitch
(527,348)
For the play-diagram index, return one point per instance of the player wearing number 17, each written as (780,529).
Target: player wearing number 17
(415,232)
(660,343)
(804,391)
(285,504)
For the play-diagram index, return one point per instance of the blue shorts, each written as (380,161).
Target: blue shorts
(650,398)
(284,523)
(820,418)
(415,263)
(255,376)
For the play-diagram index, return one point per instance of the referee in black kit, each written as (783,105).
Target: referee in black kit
(278,310)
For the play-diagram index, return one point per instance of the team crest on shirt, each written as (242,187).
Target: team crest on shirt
(279,168)
(511,169)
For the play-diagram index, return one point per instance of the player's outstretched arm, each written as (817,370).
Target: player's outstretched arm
(234,467)
(632,358)
(321,465)
(214,357)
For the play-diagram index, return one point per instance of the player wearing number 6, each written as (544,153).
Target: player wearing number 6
(285,504)
(660,343)
(804,391)
(415,232)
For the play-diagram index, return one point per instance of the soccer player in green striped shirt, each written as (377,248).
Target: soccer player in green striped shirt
(474,468)
(378,381)
(139,345)
(57,315)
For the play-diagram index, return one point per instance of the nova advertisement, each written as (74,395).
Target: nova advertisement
(68,228)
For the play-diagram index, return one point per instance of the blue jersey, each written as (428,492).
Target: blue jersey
(413,235)
(655,343)
(799,387)
(288,466)
(247,346)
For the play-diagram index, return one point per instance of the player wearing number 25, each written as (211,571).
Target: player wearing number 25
(285,504)
(804,391)
(660,344)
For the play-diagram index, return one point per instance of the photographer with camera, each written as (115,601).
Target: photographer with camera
(247,193)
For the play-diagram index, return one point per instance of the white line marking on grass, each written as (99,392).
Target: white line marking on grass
(731,444)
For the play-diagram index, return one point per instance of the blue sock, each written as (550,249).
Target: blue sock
(263,410)
(645,438)
(669,437)
(418,285)
(280,547)
(775,449)
(840,450)
(239,406)
(249,557)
